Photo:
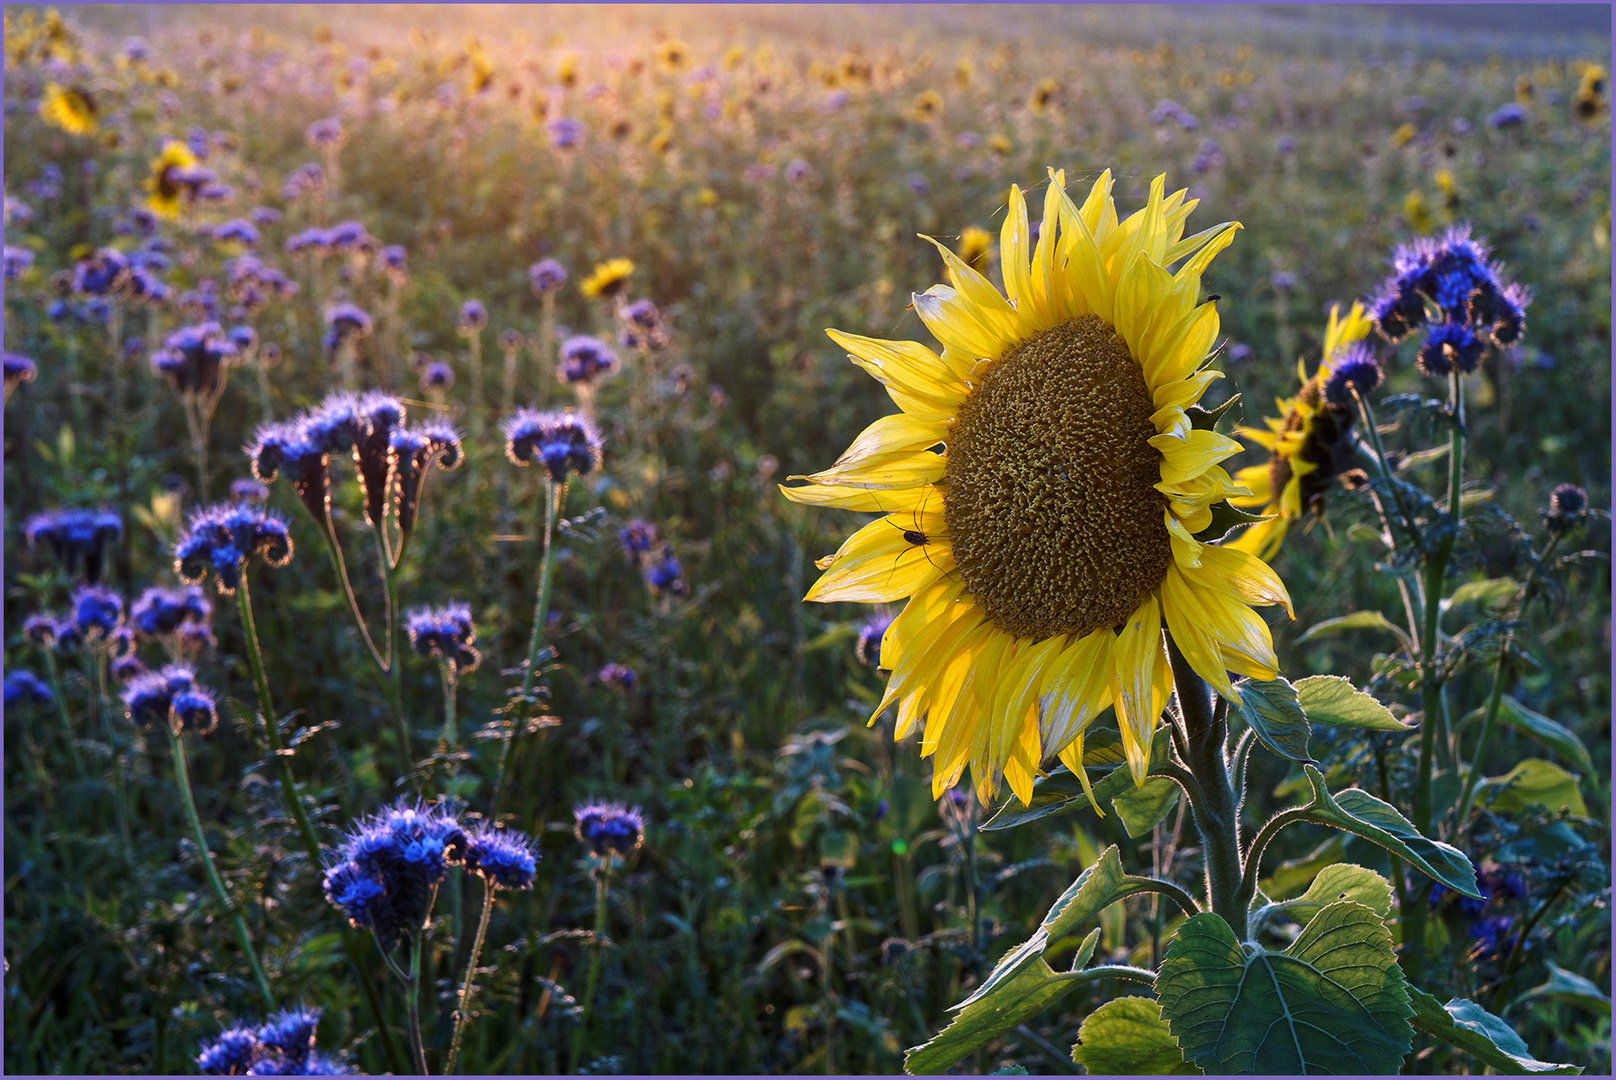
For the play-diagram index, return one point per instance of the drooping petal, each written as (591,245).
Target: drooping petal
(885,471)
(1078,688)
(1134,660)
(1193,454)
(864,500)
(898,433)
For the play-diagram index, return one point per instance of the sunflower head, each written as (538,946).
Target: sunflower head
(608,279)
(974,245)
(673,56)
(165,192)
(69,108)
(1309,442)
(1049,491)
(928,106)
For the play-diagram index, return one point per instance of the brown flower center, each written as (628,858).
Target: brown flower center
(1052,512)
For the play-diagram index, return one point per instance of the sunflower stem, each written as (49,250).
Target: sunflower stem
(1213,801)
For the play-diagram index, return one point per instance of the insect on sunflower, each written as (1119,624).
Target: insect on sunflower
(1305,443)
(1049,464)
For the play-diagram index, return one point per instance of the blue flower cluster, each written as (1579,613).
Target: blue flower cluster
(283,1046)
(18,369)
(75,536)
(642,326)
(664,573)
(193,357)
(868,649)
(609,828)
(445,631)
(564,442)
(103,274)
(1452,274)
(160,612)
(583,359)
(345,322)
(1568,504)
(387,872)
(504,858)
(618,677)
(250,284)
(546,276)
(24,687)
(1492,929)
(473,316)
(154,696)
(637,537)
(1356,370)
(223,537)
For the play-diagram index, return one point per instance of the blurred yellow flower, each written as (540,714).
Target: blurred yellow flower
(974,245)
(1043,96)
(165,195)
(1403,135)
(1301,443)
(69,108)
(928,106)
(1047,547)
(964,72)
(608,279)
(567,69)
(1416,214)
(1590,99)
(999,144)
(673,56)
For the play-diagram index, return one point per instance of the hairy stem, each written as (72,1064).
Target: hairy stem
(462,1013)
(554,494)
(55,674)
(602,884)
(413,990)
(1216,811)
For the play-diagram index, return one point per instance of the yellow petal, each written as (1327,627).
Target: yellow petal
(1246,577)
(885,471)
(1185,392)
(1194,454)
(1134,660)
(956,326)
(1217,633)
(1189,620)
(1255,478)
(893,434)
(973,290)
(878,564)
(1186,549)
(1072,758)
(1078,688)
(864,500)
(1015,256)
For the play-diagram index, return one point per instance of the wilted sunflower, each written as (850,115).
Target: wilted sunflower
(69,108)
(1048,495)
(608,278)
(1304,444)
(166,192)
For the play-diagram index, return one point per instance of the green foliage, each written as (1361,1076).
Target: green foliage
(1477,1032)
(1128,1037)
(1334,883)
(1358,620)
(1539,728)
(1334,1002)
(1571,988)
(1271,708)
(1330,699)
(1534,782)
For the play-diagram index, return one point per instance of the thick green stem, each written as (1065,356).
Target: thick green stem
(462,1014)
(236,922)
(413,990)
(602,884)
(553,496)
(1216,812)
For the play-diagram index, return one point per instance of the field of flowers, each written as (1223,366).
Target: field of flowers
(406,661)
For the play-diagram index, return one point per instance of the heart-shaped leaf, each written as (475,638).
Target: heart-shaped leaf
(1127,1036)
(1334,1002)
(1480,1034)
(1270,707)
(1342,881)
(1360,813)
(1330,699)
(1142,808)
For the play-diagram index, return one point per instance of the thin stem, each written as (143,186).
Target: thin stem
(462,1014)
(1254,852)
(255,661)
(213,873)
(339,564)
(602,879)
(446,673)
(414,994)
(392,669)
(55,674)
(553,496)
(1186,903)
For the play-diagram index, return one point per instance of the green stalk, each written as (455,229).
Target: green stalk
(61,711)
(213,873)
(553,496)
(446,673)
(120,798)
(602,884)
(413,991)
(391,668)
(1216,810)
(462,1014)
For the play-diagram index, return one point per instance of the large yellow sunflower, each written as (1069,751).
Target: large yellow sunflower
(1043,488)
(69,108)
(1302,444)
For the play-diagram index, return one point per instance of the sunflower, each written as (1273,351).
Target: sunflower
(608,279)
(166,192)
(1303,443)
(69,108)
(1049,490)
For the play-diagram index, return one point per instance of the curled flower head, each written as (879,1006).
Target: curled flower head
(642,326)
(546,276)
(473,316)
(75,536)
(377,417)
(171,691)
(193,358)
(97,611)
(405,851)
(618,677)
(102,274)
(868,648)
(46,631)
(223,537)
(19,261)
(291,1034)
(414,450)
(18,370)
(24,688)
(233,1053)
(510,340)
(504,858)
(608,278)
(564,442)
(1568,504)
(584,358)
(236,231)
(437,376)
(158,612)
(248,490)
(325,134)
(565,132)
(609,828)
(1357,370)
(1450,346)
(196,709)
(445,631)
(345,322)
(637,537)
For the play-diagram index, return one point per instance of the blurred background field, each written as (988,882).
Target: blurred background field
(800,904)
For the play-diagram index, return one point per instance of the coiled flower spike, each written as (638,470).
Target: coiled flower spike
(413,452)
(223,537)
(504,858)
(564,442)
(609,828)
(445,631)
(379,415)
(388,871)
(75,536)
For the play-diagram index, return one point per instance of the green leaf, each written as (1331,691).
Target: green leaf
(1011,1070)
(1330,699)
(1534,782)
(1224,518)
(1341,881)
(1571,988)
(1361,814)
(1141,809)
(1358,620)
(1026,992)
(1128,1036)
(1334,1002)
(1293,874)
(1270,707)
(1534,725)
(1207,419)
(1490,594)
(1052,794)
(1469,1027)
